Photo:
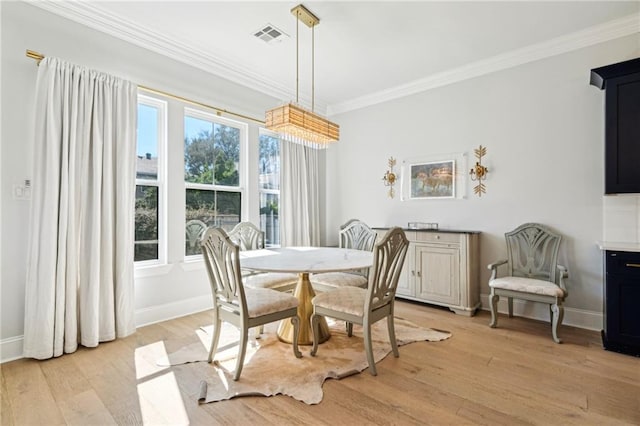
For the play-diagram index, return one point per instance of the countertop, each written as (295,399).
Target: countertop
(452,231)
(616,246)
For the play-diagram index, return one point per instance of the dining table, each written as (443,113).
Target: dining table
(305,261)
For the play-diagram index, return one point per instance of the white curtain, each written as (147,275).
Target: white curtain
(299,217)
(79,286)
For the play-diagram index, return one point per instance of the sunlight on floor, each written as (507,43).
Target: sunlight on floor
(161,402)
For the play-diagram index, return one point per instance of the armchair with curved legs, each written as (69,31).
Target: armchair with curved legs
(233,303)
(365,306)
(533,273)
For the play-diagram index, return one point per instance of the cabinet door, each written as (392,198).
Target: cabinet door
(405,285)
(438,273)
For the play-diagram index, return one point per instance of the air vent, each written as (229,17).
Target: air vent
(270,34)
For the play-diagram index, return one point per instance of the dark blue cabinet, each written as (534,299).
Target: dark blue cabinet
(622,302)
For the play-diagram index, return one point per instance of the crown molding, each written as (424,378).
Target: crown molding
(594,35)
(92,16)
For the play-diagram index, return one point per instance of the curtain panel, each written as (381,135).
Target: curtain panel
(300,219)
(79,286)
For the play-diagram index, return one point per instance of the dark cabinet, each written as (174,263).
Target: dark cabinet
(622,302)
(621,83)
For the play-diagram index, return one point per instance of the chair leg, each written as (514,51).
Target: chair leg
(217,324)
(510,305)
(349,329)
(558,313)
(295,320)
(242,351)
(315,331)
(392,335)
(366,328)
(494,310)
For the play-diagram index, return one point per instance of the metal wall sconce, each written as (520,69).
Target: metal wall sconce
(479,172)
(390,177)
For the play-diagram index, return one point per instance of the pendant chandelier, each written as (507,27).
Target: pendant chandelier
(292,121)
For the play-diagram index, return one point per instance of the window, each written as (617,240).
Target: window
(269,188)
(149,216)
(212,173)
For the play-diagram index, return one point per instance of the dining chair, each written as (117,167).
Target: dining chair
(249,237)
(354,234)
(242,307)
(533,273)
(365,306)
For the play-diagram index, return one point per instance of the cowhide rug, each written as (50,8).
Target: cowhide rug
(271,368)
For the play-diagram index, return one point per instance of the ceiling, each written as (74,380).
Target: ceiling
(365,52)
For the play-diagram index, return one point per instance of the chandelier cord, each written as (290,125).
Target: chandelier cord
(313,67)
(297,60)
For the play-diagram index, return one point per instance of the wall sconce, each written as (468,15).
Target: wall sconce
(479,172)
(390,177)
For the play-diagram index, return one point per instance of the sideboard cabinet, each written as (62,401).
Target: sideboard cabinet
(441,268)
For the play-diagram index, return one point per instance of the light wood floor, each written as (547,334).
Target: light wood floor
(511,375)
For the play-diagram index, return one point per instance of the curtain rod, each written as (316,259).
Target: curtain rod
(39,57)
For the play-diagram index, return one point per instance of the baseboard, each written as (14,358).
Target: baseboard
(11,348)
(172,310)
(580,318)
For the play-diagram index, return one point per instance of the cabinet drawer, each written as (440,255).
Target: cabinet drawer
(437,237)
(625,263)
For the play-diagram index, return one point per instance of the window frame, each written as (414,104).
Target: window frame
(160,181)
(263,131)
(242,166)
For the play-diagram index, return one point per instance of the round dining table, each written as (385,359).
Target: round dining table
(304,261)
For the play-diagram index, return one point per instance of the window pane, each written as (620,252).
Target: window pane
(206,209)
(211,152)
(269,222)
(147,146)
(146,231)
(269,162)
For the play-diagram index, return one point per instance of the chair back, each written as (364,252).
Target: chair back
(388,258)
(247,236)
(355,234)
(533,252)
(194,229)
(222,258)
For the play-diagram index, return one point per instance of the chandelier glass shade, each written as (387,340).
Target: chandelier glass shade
(292,121)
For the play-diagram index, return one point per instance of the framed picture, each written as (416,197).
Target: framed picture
(436,179)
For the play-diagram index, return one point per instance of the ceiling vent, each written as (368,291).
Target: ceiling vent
(270,34)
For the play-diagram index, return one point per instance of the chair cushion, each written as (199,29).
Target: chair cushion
(271,280)
(339,279)
(264,301)
(527,285)
(343,299)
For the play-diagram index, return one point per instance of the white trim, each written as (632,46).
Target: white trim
(177,309)
(597,34)
(12,348)
(88,14)
(92,16)
(589,320)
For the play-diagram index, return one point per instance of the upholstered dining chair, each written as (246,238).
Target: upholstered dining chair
(233,303)
(249,237)
(354,234)
(365,306)
(533,273)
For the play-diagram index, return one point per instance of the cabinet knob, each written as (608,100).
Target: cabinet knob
(418,273)
(413,273)
(437,237)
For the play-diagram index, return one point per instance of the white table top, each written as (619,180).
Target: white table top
(305,259)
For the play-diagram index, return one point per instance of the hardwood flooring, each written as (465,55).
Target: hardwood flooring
(511,375)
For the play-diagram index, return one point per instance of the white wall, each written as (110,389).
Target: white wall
(543,126)
(161,292)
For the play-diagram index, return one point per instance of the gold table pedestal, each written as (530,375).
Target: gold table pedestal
(304,292)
